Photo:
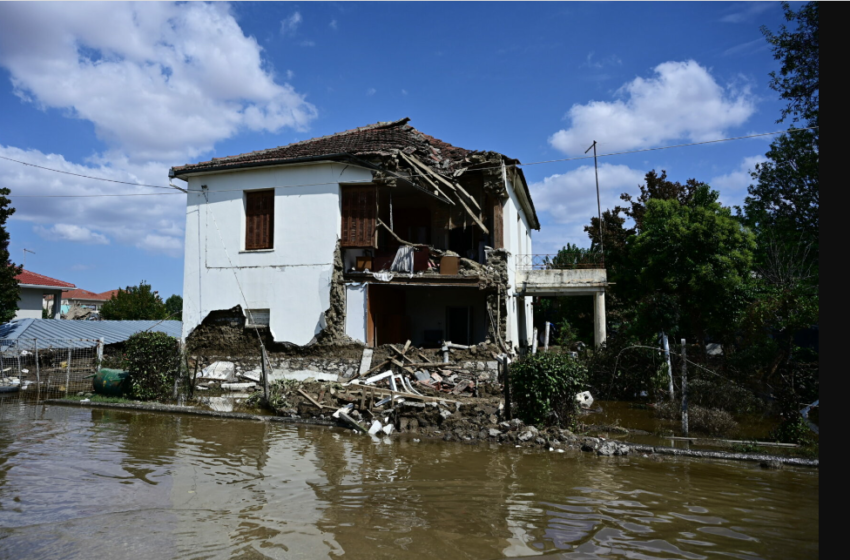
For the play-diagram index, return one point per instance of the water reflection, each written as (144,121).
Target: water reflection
(81,483)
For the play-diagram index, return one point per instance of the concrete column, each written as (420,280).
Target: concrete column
(599,333)
(57,305)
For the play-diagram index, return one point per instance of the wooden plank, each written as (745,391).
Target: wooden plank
(430,364)
(453,186)
(472,214)
(373,370)
(423,356)
(402,366)
(426,177)
(402,352)
(311,399)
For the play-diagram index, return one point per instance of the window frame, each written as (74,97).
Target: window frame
(248,217)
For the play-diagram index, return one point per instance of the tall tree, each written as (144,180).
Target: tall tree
(134,303)
(692,261)
(783,204)
(798,80)
(681,262)
(9,290)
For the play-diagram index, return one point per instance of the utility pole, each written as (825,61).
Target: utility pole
(598,204)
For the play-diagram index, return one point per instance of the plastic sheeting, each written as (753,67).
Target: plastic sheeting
(355,311)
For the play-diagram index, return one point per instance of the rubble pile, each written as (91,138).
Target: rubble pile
(464,418)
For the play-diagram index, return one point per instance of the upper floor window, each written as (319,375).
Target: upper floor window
(259,220)
(359,212)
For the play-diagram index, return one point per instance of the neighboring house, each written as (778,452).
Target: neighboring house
(296,236)
(83,299)
(33,288)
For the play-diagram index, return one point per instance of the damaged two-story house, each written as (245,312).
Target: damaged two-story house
(375,235)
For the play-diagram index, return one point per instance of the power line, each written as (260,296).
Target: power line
(87,195)
(413,175)
(85,176)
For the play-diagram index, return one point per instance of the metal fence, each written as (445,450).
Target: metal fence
(36,369)
(560,261)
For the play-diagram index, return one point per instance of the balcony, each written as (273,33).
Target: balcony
(564,274)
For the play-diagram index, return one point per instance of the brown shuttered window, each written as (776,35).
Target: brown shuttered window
(359,208)
(259,220)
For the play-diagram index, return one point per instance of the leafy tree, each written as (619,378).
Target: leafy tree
(622,300)
(133,304)
(798,80)
(174,307)
(9,291)
(784,202)
(691,260)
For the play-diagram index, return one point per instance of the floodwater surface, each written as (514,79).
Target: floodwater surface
(97,483)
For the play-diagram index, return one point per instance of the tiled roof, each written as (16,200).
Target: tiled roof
(109,294)
(33,279)
(372,139)
(79,334)
(84,294)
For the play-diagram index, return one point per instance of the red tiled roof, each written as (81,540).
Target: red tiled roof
(33,279)
(84,294)
(108,295)
(375,138)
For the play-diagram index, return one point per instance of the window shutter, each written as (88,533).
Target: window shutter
(359,208)
(259,220)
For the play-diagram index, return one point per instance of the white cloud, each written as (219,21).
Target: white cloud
(744,11)
(290,24)
(371,91)
(683,101)
(333,24)
(158,81)
(404,92)
(307,43)
(123,219)
(733,185)
(611,60)
(161,244)
(70,232)
(570,199)
(161,82)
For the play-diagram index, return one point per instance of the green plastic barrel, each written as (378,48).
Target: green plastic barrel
(112,382)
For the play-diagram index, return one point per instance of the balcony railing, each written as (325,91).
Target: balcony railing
(561,261)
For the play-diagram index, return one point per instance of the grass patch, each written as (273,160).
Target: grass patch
(99,399)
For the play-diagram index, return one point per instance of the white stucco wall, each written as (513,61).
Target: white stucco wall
(292,280)
(355,311)
(30,303)
(517,237)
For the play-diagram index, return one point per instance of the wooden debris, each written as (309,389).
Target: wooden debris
(311,399)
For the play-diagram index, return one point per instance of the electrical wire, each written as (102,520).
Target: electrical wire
(413,175)
(86,176)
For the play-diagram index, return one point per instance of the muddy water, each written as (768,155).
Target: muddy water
(80,483)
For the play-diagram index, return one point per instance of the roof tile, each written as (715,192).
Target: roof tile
(34,279)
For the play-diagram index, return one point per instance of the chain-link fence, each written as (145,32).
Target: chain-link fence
(36,369)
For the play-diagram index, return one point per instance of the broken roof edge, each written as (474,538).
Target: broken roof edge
(221,163)
(216,167)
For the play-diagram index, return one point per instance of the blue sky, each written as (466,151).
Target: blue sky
(125,91)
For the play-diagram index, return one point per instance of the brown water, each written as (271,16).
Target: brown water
(81,483)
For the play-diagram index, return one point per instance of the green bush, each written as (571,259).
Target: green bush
(153,360)
(544,387)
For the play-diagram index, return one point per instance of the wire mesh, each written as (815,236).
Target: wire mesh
(37,369)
